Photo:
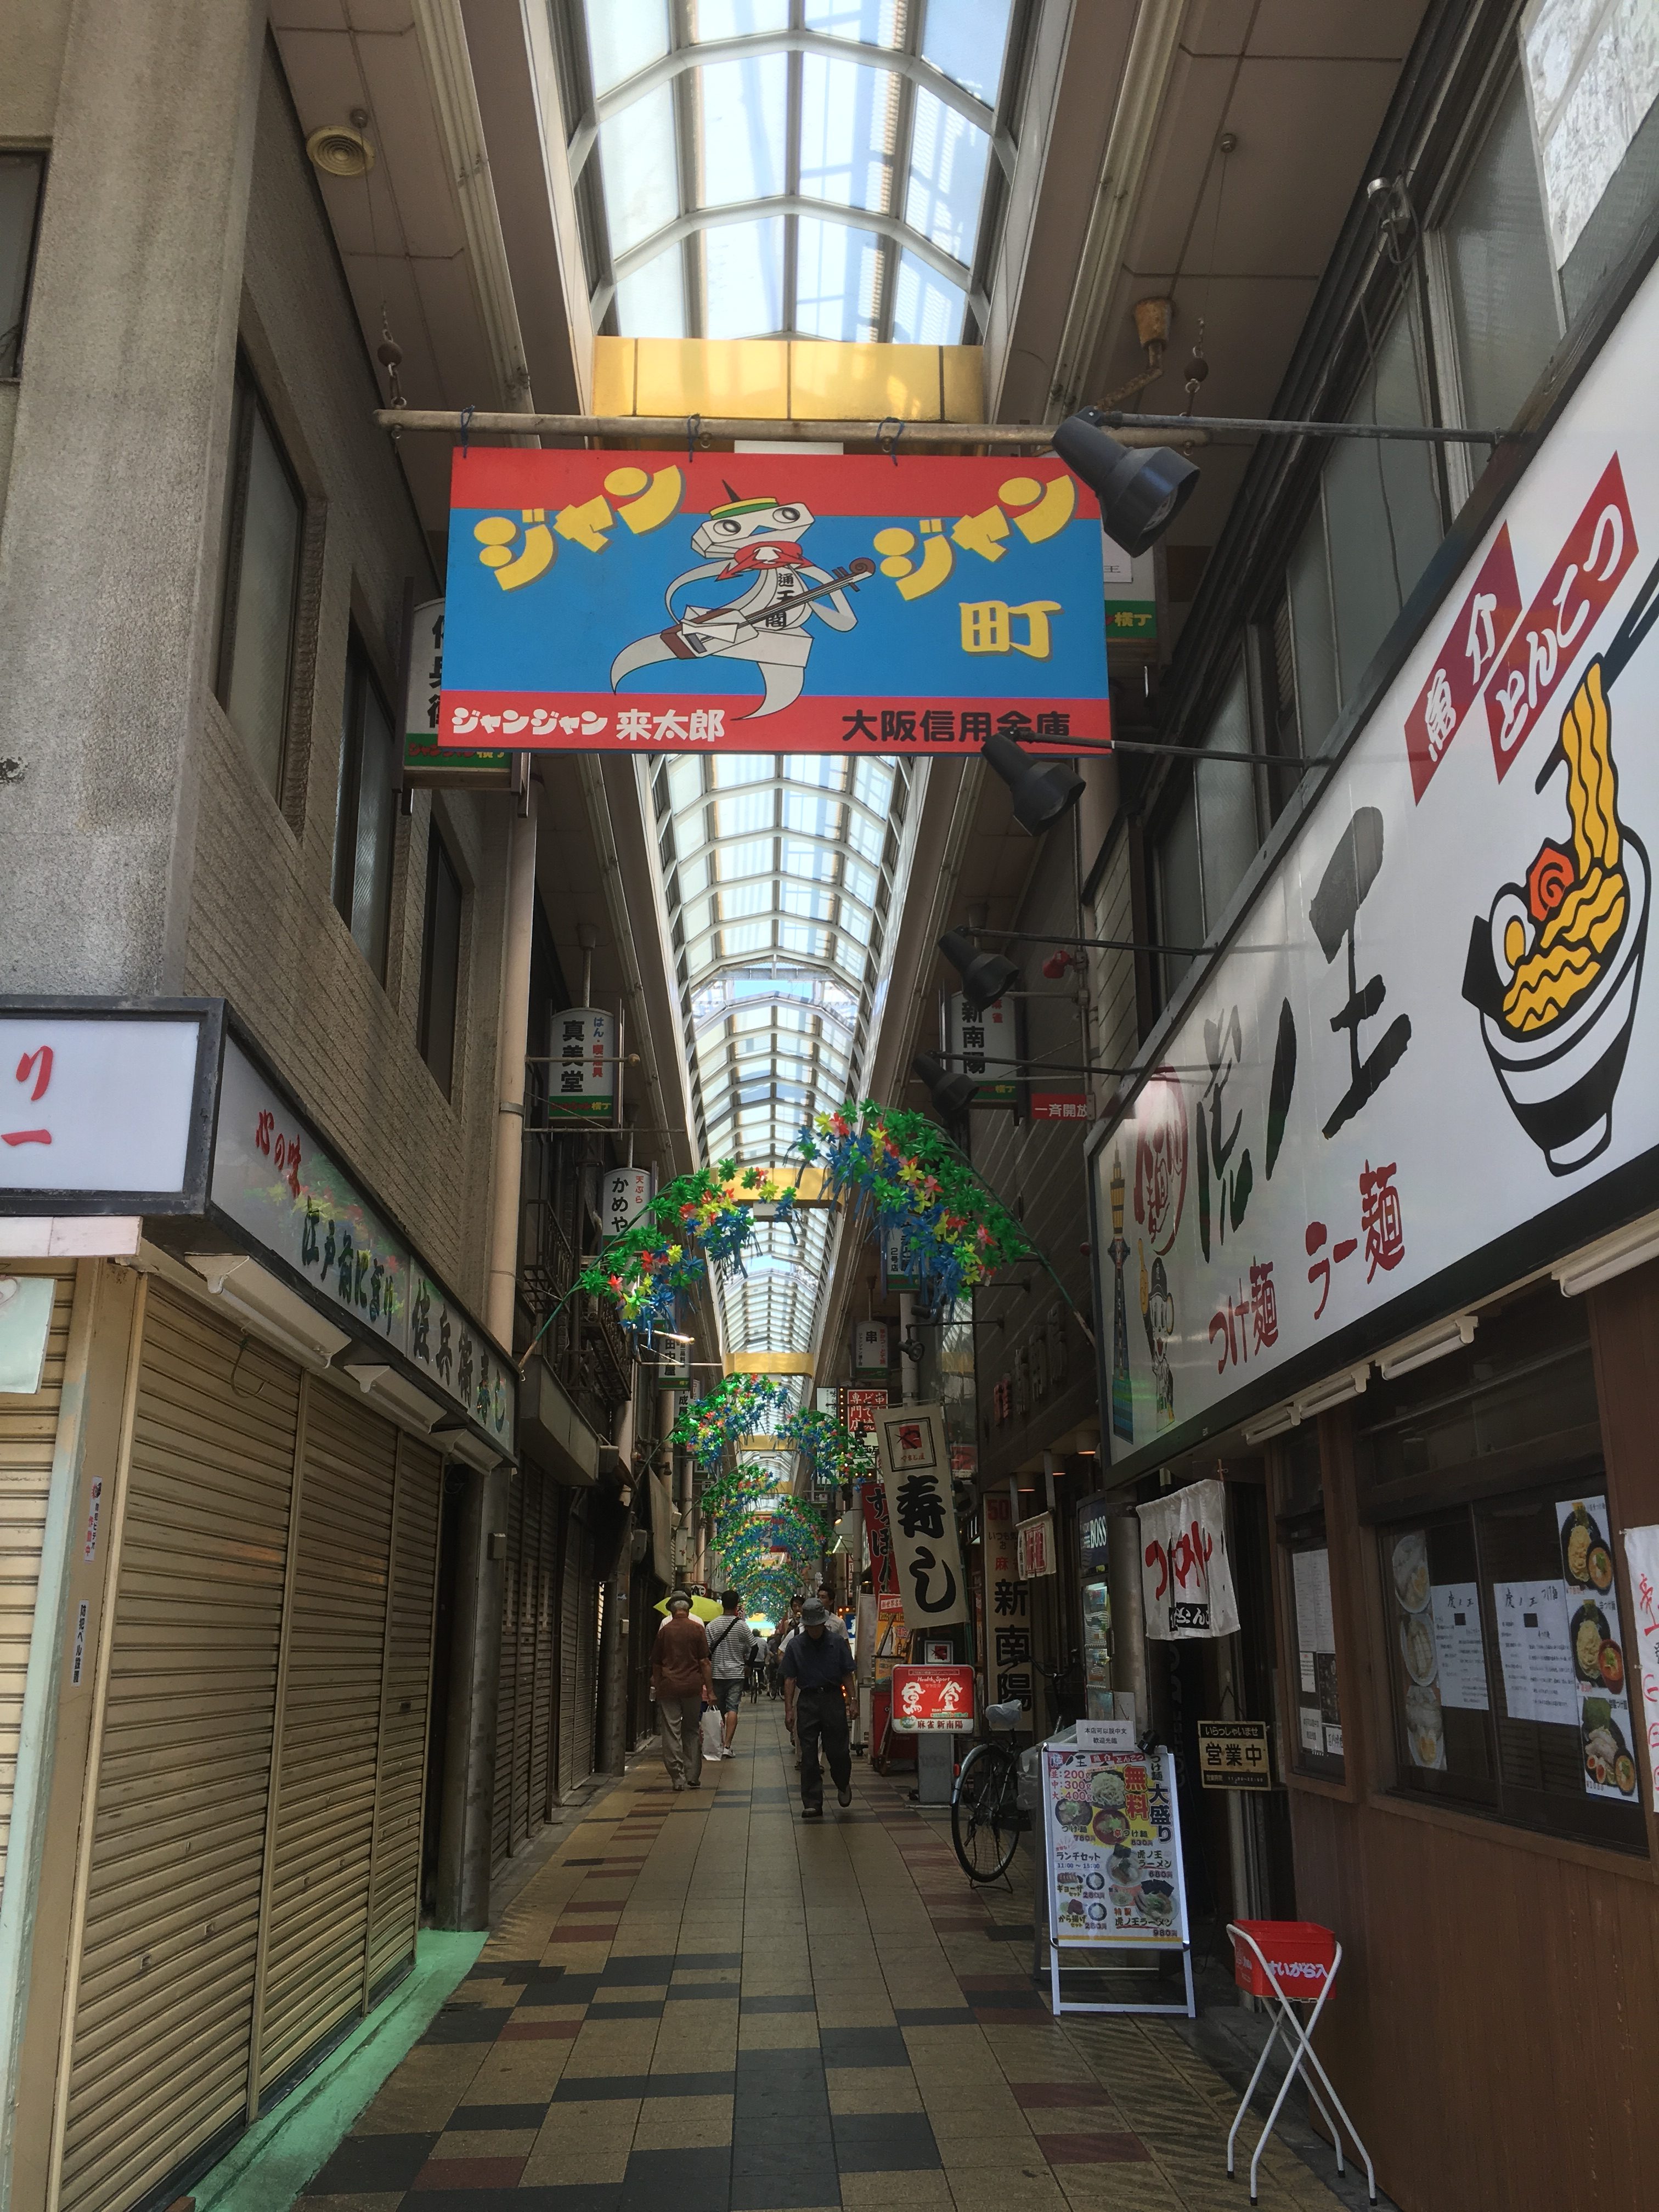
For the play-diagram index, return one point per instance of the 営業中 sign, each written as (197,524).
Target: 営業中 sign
(770,602)
(1233,1755)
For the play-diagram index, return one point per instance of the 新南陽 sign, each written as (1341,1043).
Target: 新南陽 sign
(770,602)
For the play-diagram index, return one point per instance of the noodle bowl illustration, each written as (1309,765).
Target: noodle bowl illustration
(1555,967)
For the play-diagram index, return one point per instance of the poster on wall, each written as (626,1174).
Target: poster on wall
(915,1468)
(1186,1584)
(770,602)
(1597,1642)
(1642,1565)
(1433,1023)
(1112,1845)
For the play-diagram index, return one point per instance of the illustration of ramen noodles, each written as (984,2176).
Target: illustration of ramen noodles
(1555,968)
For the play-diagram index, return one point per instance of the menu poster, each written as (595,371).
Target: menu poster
(1597,1646)
(1417,1643)
(1455,1608)
(1320,1716)
(1114,1846)
(1535,1653)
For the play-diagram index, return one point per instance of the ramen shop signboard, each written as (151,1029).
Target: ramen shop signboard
(1426,1061)
(770,602)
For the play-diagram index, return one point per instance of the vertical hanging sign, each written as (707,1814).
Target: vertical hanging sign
(915,1467)
(582,1078)
(981,1042)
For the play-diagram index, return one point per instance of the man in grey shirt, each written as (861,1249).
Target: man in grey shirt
(730,1639)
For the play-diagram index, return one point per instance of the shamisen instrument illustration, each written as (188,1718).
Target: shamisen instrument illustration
(705,629)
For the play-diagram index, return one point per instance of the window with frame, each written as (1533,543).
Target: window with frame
(365,812)
(22,176)
(1482,1474)
(441,963)
(1209,835)
(1313,1698)
(265,525)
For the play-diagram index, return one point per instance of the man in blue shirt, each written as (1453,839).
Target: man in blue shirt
(816,1663)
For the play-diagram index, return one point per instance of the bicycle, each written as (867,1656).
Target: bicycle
(984,1816)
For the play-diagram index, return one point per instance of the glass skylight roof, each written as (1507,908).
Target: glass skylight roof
(799,168)
(781,873)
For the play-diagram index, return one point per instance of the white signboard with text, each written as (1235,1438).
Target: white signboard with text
(915,1470)
(96,1103)
(1431,1024)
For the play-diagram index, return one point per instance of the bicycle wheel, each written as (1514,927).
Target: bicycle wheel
(984,1818)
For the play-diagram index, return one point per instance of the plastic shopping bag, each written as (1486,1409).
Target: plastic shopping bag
(713,1733)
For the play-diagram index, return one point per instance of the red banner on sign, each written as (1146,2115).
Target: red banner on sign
(1583,578)
(883,1574)
(1480,631)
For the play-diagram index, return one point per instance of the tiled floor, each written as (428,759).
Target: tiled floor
(702,2003)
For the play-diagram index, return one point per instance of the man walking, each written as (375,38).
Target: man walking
(680,1679)
(816,1663)
(730,1640)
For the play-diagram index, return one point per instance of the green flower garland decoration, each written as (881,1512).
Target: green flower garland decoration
(734,1409)
(832,1453)
(693,1222)
(956,1233)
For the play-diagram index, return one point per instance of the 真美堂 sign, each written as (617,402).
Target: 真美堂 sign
(749,602)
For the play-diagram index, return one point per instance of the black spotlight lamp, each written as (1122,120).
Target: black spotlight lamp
(1141,490)
(951,1094)
(985,975)
(1042,790)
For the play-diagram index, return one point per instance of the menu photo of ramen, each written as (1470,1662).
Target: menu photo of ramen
(1597,1643)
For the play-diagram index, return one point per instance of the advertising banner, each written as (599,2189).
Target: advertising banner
(933,1700)
(582,1077)
(1034,1545)
(915,1467)
(747,602)
(1428,1045)
(878,1539)
(1112,1840)
(1186,1584)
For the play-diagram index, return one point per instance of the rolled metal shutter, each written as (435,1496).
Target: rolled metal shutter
(324,1817)
(570,1640)
(394,1912)
(163,1978)
(28,1436)
(587,1659)
(542,1697)
(507,1691)
(525,1818)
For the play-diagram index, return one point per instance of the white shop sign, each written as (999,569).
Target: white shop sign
(1186,1584)
(273,1179)
(1429,1031)
(624,1193)
(99,1105)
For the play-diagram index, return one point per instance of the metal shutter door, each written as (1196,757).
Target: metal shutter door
(587,1657)
(524,1819)
(500,1814)
(541,1706)
(394,1894)
(330,1726)
(569,1620)
(28,1434)
(164,2006)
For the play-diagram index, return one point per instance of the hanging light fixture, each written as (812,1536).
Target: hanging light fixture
(985,975)
(951,1094)
(1140,490)
(1042,790)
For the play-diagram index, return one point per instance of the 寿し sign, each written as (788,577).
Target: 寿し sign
(915,1468)
(1430,1044)
(770,602)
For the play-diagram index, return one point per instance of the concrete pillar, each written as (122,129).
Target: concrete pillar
(1129,1670)
(463,1899)
(110,546)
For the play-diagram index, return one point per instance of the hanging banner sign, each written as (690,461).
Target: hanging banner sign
(1034,1545)
(915,1468)
(869,1347)
(624,1193)
(583,1078)
(856,1409)
(1008,1603)
(747,602)
(983,1043)
(1424,1065)
(878,1539)
(1186,1584)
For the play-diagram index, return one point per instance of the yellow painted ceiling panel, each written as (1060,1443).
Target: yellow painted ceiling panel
(831,382)
(712,376)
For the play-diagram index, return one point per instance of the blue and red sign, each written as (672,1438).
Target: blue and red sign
(770,602)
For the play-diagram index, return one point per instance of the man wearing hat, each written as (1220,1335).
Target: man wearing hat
(680,1681)
(816,1663)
